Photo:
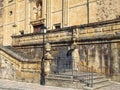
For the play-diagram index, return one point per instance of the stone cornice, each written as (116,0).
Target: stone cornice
(37,22)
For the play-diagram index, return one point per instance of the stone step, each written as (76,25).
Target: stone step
(97,86)
(89,77)
(85,74)
(103,84)
(63,82)
(54,78)
(59,76)
(97,81)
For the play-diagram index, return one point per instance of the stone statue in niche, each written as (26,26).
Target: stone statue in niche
(38,9)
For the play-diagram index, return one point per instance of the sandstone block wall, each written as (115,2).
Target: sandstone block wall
(19,14)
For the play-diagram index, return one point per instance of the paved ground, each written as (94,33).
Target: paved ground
(114,86)
(13,85)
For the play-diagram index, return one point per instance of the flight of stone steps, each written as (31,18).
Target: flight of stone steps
(77,81)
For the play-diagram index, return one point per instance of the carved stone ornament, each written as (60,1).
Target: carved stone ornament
(47,47)
(48,56)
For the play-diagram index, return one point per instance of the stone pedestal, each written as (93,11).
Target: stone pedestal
(48,58)
(75,57)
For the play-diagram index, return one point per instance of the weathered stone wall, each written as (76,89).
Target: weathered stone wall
(19,14)
(108,9)
(70,12)
(1,23)
(100,53)
(16,18)
(103,56)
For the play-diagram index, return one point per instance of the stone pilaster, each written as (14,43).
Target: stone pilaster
(65,12)
(97,59)
(48,13)
(115,65)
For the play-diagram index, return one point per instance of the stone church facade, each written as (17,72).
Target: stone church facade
(88,27)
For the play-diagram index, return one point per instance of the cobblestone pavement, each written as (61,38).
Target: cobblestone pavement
(14,85)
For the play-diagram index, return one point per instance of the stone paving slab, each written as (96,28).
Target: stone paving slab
(14,85)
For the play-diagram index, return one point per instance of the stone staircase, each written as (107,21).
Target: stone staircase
(98,81)
(66,81)
(16,65)
(79,81)
(20,62)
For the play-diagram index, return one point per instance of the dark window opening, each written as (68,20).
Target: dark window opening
(37,28)
(57,26)
(21,32)
(10,13)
